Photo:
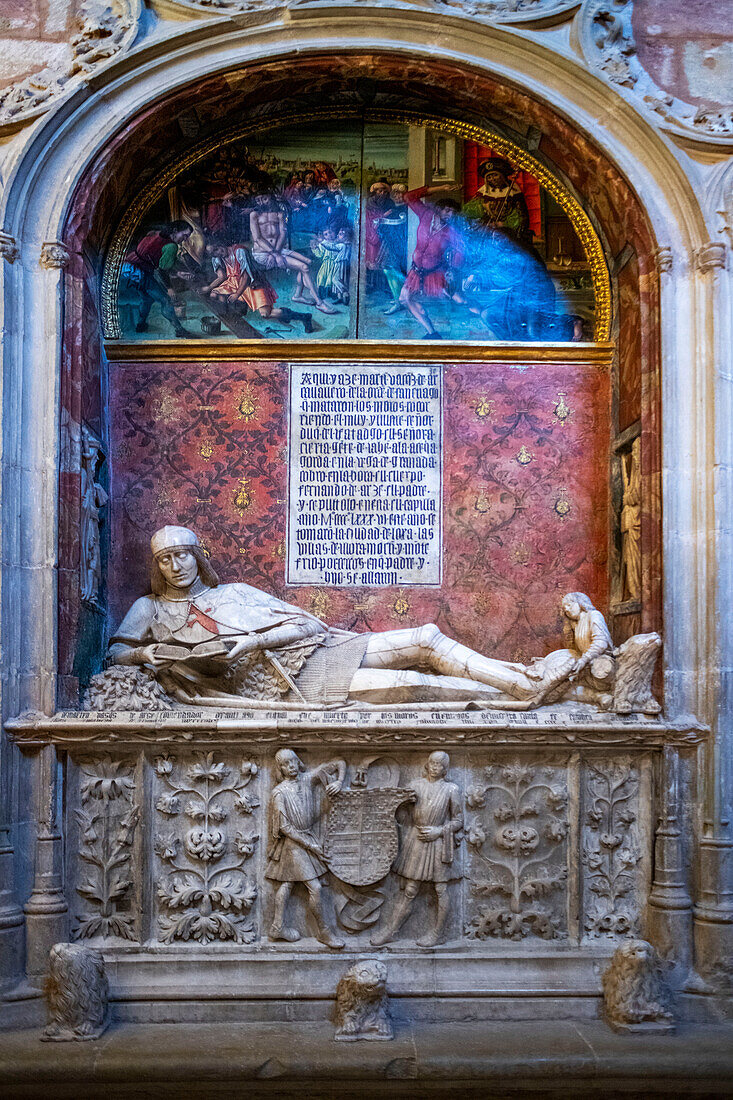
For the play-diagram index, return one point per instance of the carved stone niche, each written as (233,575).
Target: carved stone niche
(229,851)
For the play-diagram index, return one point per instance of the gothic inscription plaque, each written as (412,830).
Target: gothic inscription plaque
(365,476)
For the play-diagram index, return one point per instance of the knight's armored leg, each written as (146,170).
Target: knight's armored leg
(278,929)
(323,932)
(399,916)
(427,648)
(435,936)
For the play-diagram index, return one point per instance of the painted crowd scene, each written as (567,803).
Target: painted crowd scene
(379,231)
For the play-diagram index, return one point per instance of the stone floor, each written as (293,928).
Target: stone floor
(464,1061)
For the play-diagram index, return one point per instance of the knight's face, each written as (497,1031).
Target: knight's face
(179,567)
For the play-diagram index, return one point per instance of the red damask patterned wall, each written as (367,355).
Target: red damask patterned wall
(525,493)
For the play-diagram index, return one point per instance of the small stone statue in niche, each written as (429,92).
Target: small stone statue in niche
(427,854)
(631,524)
(93,499)
(212,644)
(295,853)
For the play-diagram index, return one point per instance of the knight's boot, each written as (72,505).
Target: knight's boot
(389,932)
(435,936)
(325,935)
(282,932)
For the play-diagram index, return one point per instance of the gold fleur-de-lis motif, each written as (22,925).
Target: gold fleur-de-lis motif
(206,449)
(483,503)
(401,606)
(562,410)
(524,456)
(485,408)
(247,404)
(279,549)
(204,546)
(242,495)
(562,504)
(320,603)
(242,550)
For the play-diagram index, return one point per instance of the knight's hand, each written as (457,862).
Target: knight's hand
(332,789)
(150,657)
(248,643)
(429,832)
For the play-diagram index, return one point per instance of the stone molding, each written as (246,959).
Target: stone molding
(9,248)
(606,37)
(106,28)
(710,257)
(266,727)
(54,254)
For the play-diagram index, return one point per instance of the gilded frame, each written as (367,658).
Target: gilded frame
(469,132)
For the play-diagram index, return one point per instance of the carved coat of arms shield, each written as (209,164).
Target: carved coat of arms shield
(361,833)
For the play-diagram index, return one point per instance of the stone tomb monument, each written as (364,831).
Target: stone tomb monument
(248,783)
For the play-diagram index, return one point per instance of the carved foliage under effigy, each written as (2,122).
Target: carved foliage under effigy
(517,840)
(207,830)
(107,816)
(610,849)
(125,687)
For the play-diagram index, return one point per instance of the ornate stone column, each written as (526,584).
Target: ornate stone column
(714,903)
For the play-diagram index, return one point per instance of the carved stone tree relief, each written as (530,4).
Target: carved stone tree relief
(206,832)
(518,851)
(611,850)
(107,817)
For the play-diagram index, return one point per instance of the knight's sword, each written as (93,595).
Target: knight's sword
(283,674)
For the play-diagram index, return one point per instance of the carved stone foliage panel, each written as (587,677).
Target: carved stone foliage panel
(614,845)
(104,858)
(517,836)
(206,829)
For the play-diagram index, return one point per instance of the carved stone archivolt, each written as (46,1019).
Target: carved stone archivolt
(606,37)
(105,29)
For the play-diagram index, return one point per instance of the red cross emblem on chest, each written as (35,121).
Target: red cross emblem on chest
(196,615)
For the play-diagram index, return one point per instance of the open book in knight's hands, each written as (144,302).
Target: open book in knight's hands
(217,647)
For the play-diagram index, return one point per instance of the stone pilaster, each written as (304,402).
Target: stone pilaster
(46,909)
(669,912)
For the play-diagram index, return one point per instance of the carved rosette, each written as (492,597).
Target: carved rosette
(107,817)
(610,850)
(606,37)
(517,840)
(206,831)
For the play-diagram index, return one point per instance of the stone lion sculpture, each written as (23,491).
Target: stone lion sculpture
(635,994)
(362,1008)
(77,993)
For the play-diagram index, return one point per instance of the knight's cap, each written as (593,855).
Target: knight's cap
(170,538)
